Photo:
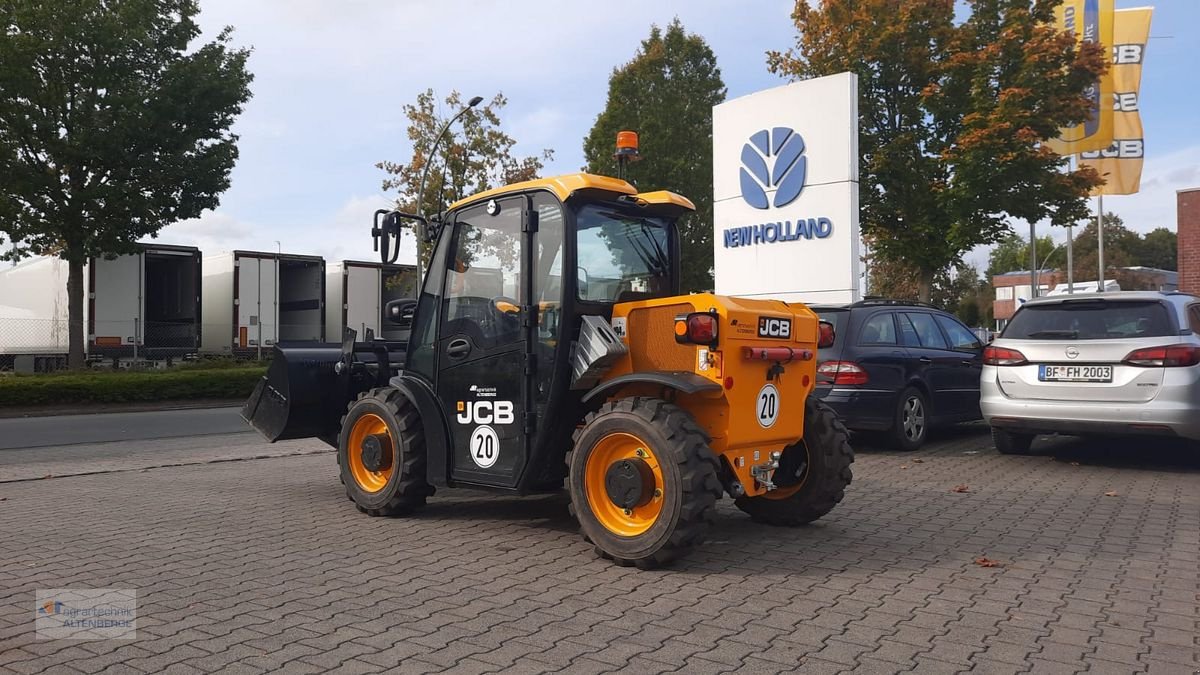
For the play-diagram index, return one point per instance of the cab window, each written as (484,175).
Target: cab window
(483,283)
(622,256)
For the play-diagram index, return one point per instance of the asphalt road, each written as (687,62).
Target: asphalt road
(66,430)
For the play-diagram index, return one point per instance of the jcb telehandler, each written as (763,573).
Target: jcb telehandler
(550,343)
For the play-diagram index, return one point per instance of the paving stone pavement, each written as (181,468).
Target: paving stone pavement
(263,565)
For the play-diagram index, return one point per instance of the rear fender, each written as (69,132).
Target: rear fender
(434,422)
(681,381)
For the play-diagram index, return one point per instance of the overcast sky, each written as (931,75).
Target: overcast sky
(331,77)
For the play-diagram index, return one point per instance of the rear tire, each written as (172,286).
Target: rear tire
(676,480)
(824,464)
(911,426)
(1010,443)
(387,479)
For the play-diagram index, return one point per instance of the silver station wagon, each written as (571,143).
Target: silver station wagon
(1115,363)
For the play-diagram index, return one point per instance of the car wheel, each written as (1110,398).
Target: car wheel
(1009,443)
(912,420)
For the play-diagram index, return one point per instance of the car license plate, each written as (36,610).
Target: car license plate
(1075,373)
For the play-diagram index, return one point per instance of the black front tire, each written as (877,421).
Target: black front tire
(1011,443)
(913,416)
(690,487)
(824,463)
(406,488)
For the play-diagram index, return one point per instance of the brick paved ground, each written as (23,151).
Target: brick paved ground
(263,564)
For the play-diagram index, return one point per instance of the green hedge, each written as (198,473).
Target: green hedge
(128,386)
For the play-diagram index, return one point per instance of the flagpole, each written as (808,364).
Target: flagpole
(1070,241)
(1100,239)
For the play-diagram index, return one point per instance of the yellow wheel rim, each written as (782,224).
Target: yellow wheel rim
(369,424)
(613,448)
(789,490)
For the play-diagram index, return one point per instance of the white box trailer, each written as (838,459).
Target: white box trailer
(356,294)
(33,311)
(145,304)
(255,300)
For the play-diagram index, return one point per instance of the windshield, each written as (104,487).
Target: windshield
(1090,320)
(622,256)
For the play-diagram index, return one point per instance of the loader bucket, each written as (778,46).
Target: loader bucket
(301,396)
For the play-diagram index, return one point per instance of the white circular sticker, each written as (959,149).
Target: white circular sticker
(767,407)
(485,446)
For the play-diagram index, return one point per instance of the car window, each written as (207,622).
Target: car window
(908,334)
(1091,320)
(1194,318)
(927,330)
(960,336)
(880,329)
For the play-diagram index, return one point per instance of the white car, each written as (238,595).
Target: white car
(1116,363)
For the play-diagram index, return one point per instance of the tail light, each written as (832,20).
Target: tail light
(841,372)
(1172,356)
(697,328)
(826,335)
(999,356)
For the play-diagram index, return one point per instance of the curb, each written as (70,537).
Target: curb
(102,408)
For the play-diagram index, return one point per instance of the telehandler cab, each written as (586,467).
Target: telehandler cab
(550,343)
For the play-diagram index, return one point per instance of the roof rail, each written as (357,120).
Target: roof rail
(870,301)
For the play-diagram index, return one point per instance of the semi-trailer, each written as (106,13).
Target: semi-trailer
(356,294)
(141,306)
(255,300)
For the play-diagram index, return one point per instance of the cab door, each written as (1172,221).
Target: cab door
(482,345)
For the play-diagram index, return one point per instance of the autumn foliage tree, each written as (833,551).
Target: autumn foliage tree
(475,155)
(666,94)
(113,124)
(952,116)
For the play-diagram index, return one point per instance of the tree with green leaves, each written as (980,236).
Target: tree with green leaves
(1011,254)
(666,94)
(952,117)
(1160,248)
(475,155)
(113,124)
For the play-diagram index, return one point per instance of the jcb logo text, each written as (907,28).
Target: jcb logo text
(774,328)
(485,412)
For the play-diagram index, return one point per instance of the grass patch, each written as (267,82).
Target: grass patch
(182,383)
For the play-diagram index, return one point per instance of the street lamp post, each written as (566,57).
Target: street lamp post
(425,174)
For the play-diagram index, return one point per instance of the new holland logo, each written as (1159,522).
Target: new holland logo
(773,159)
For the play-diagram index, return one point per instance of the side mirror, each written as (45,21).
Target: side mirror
(825,335)
(400,312)
(386,226)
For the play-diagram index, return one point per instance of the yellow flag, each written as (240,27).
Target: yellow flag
(1090,21)
(1120,164)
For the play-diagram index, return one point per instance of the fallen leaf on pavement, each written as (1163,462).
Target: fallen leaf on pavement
(918,461)
(903,466)
(3,499)
(961,488)
(987,562)
(1110,493)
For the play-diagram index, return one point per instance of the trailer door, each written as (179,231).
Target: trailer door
(256,302)
(362,310)
(116,299)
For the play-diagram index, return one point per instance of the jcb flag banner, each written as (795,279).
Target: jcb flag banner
(1090,21)
(1120,164)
